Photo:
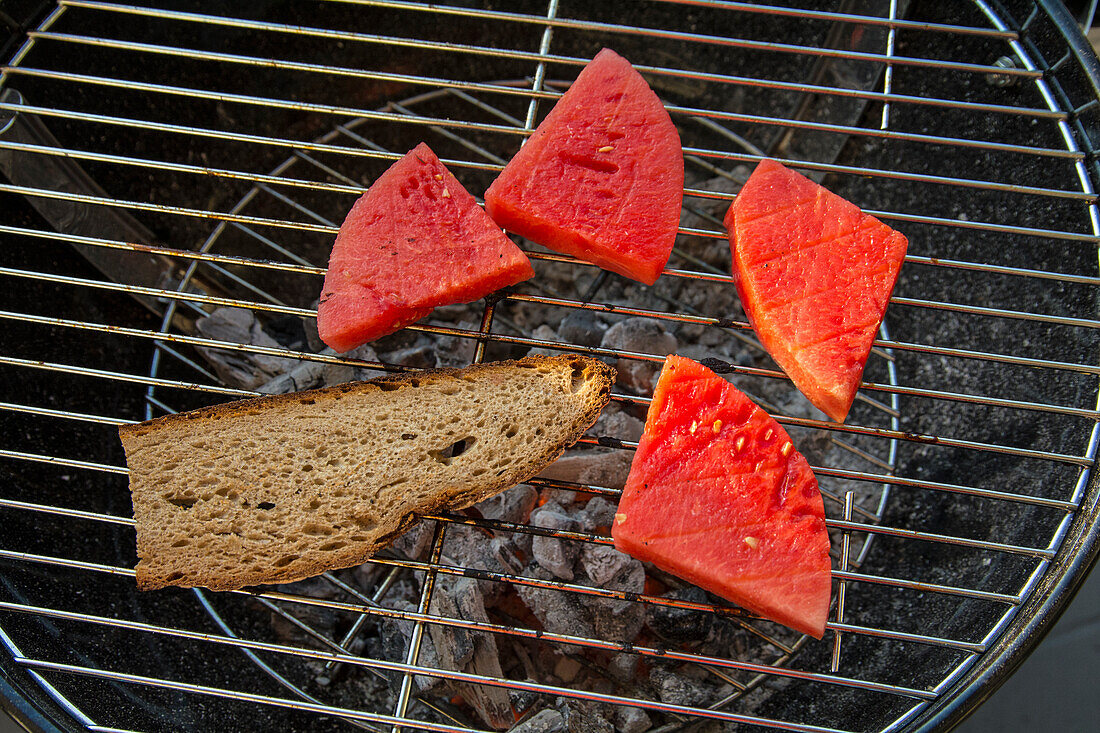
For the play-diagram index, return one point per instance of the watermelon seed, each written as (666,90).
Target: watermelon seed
(446,194)
(605,149)
(768,434)
(752,542)
(786,448)
(694,426)
(740,443)
(620,518)
(717,426)
(438,176)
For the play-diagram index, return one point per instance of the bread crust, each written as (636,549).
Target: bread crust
(163,563)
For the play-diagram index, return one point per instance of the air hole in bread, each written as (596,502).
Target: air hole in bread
(334,545)
(183,502)
(317,530)
(408,436)
(510,431)
(578,377)
(171,577)
(182,542)
(285,560)
(307,401)
(389,386)
(307,467)
(265,505)
(454,450)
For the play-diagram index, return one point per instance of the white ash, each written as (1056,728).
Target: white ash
(643,336)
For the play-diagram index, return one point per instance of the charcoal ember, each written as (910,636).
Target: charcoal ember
(544,721)
(457,313)
(513,505)
(544,333)
(582,328)
(644,336)
(585,717)
(240,369)
(680,625)
(676,688)
(631,720)
(340,373)
(468,651)
(623,666)
(416,357)
(614,423)
(598,513)
(396,635)
(606,567)
(567,668)
(559,612)
(472,547)
(604,468)
(507,554)
(306,375)
(523,700)
(414,543)
(457,351)
(551,553)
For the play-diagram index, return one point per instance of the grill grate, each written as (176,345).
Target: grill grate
(228,148)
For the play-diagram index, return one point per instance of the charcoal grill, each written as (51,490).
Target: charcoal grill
(165,159)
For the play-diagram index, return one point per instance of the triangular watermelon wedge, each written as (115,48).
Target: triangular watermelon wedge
(815,275)
(601,178)
(718,495)
(414,241)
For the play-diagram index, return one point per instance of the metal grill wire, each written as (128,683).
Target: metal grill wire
(181,111)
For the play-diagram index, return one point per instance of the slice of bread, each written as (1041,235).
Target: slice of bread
(280,488)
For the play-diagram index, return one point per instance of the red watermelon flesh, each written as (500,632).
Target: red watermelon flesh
(718,495)
(415,240)
(601,178)
(815,275)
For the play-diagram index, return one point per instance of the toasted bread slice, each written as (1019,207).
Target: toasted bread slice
(280,488)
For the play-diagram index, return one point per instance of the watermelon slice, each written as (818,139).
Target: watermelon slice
(415,240)
(601,178)
(815,275)
(718,495)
